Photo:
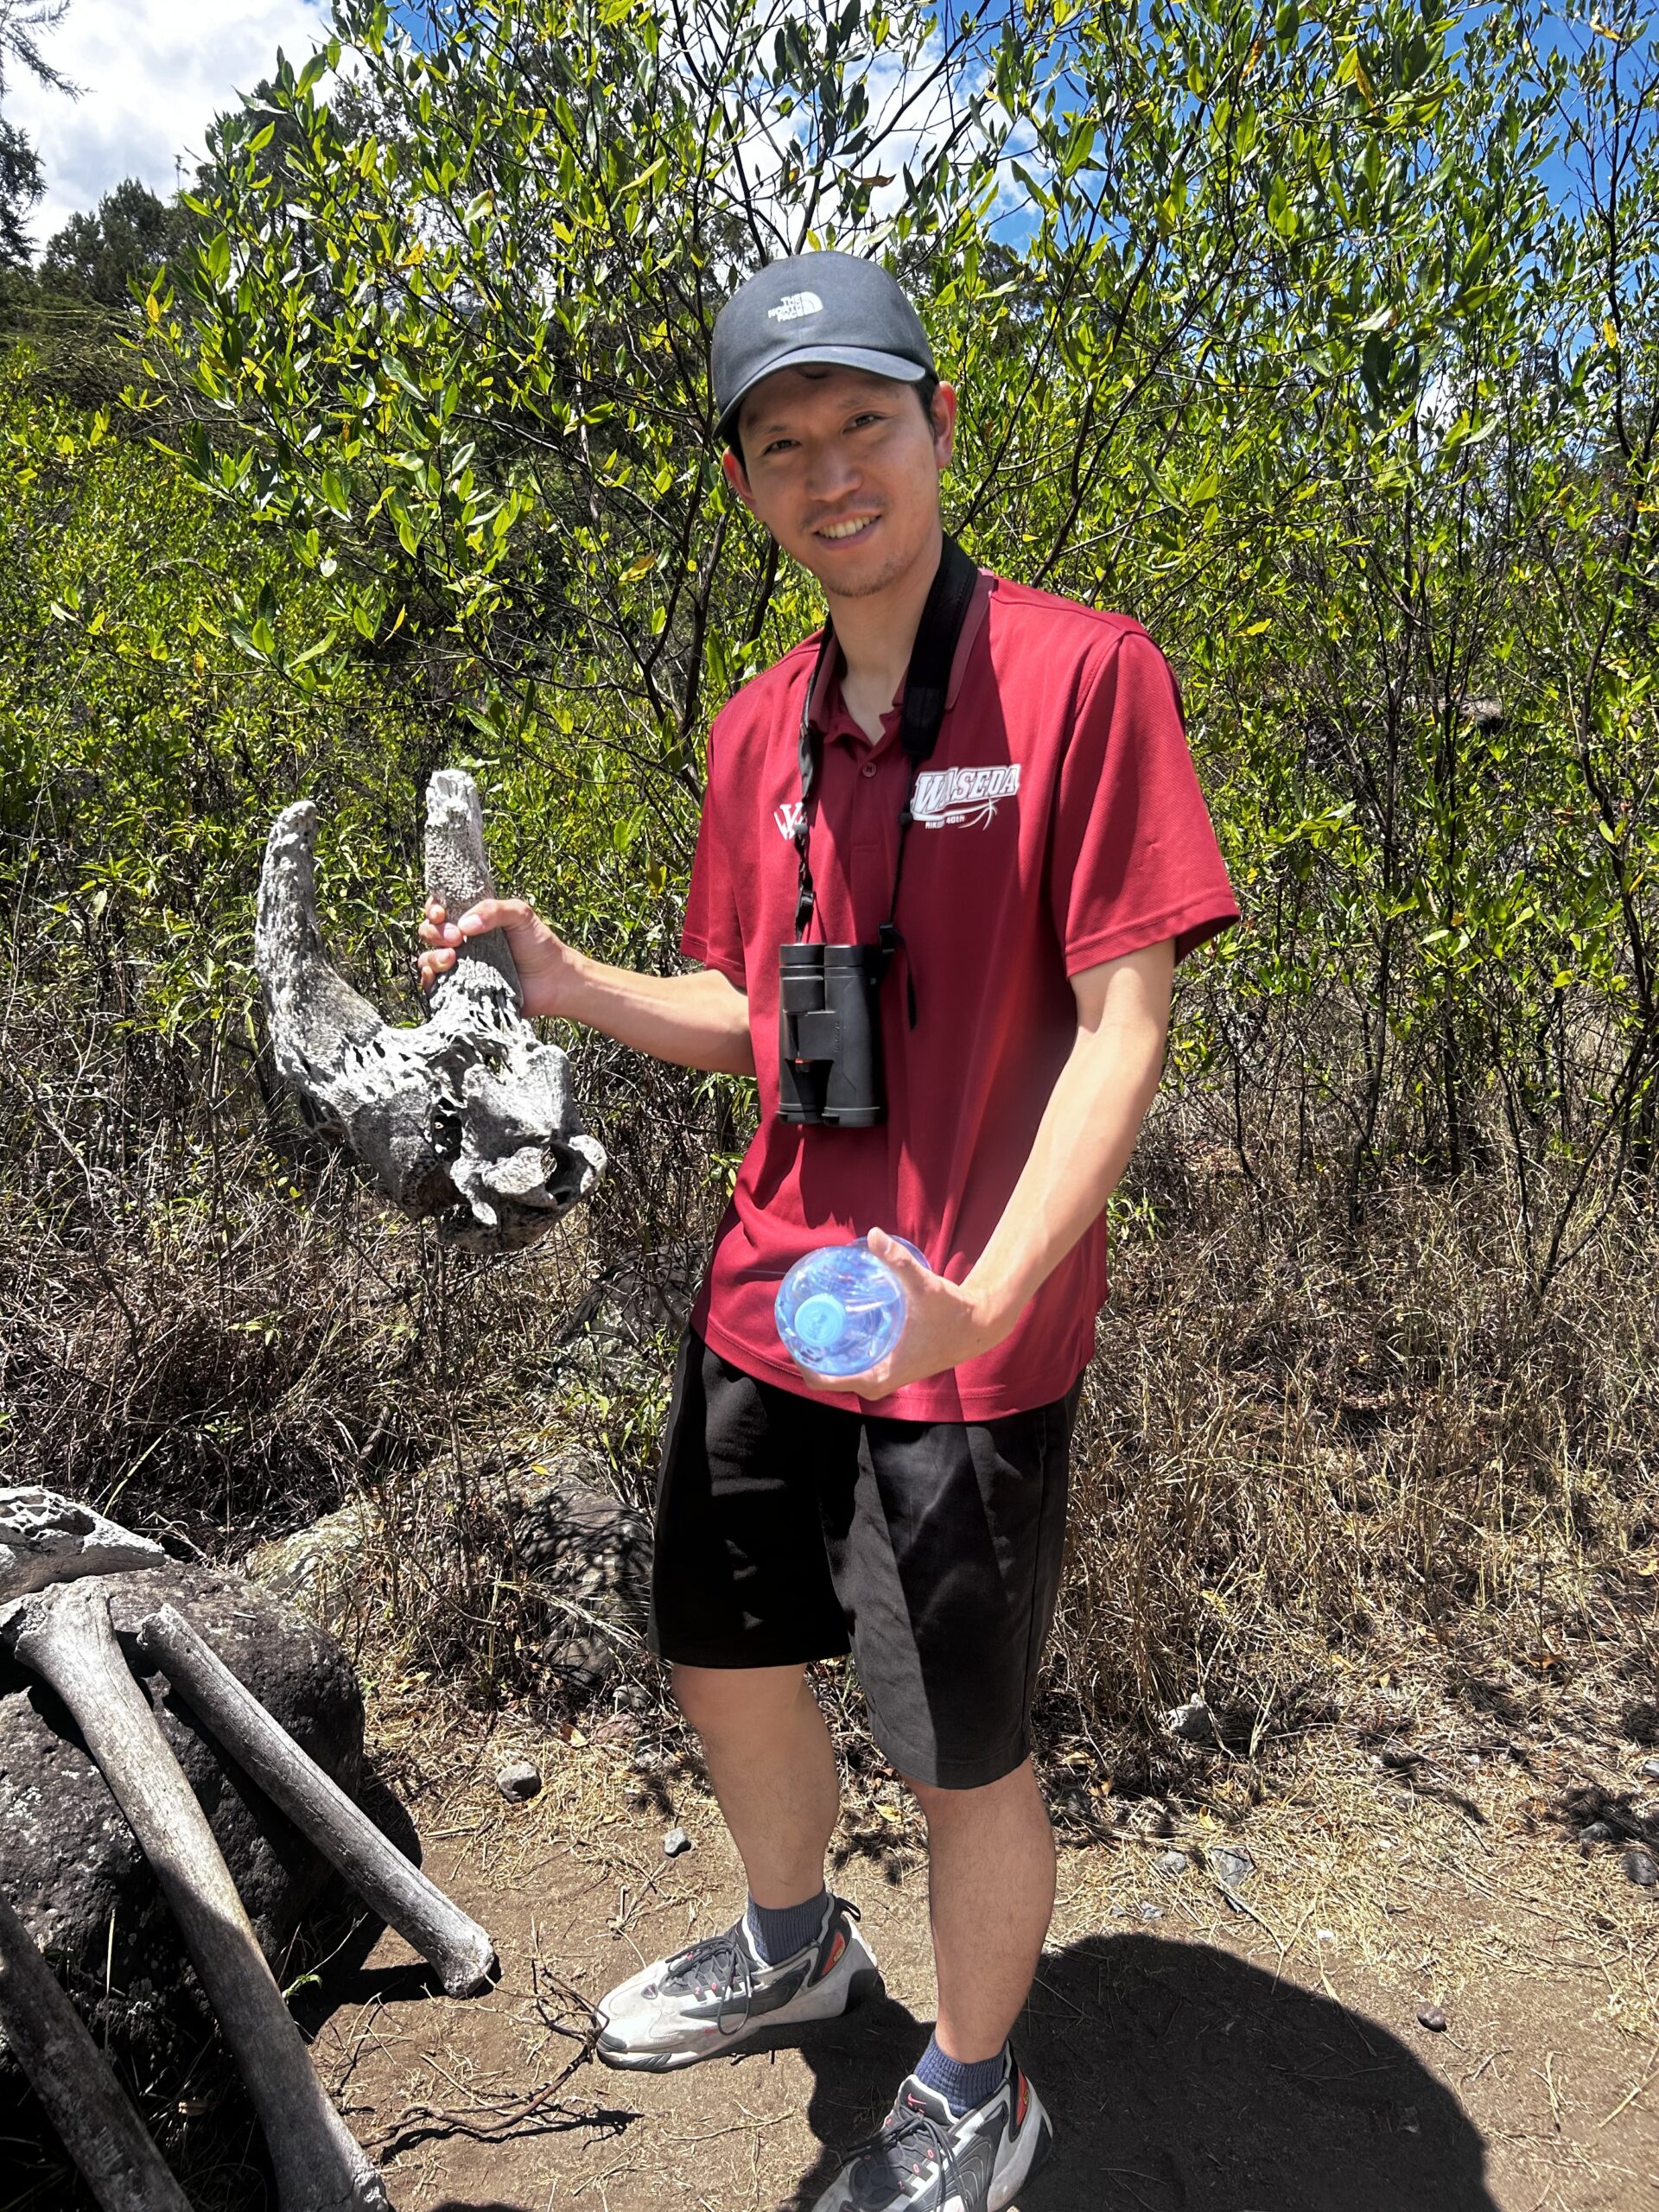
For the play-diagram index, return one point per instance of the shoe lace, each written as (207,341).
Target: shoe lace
(723,1966)
(909,2142)
(719,1966)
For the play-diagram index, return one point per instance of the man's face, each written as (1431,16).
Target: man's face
(843,469)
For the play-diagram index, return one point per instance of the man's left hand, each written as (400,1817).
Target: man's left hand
(945,1324)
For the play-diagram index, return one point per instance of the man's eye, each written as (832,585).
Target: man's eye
(777,445)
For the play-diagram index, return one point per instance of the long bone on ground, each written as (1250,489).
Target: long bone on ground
(319,1807)
(69,2074)
(72,2078)
(55,1621)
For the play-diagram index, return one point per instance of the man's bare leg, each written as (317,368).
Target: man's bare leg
(770,1759)
(990,1891)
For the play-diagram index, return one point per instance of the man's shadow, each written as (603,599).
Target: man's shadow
(1181,2079)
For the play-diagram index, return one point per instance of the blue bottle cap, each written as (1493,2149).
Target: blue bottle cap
(839,1309)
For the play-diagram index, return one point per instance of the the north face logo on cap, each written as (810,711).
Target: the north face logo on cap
(793,306)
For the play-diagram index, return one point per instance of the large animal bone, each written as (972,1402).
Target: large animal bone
(72,2078)
(45,1538)
(319,1807)
(64,1636)
(63,1633)
(469,1116)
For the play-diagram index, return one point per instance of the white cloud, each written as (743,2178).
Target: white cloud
(153,74)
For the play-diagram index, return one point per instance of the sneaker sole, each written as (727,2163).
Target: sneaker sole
(1007,2185)
(860,1988)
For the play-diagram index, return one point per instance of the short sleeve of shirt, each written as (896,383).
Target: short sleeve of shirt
(711,931)
(1133,857)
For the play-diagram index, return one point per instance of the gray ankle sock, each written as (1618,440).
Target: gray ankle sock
(779,1933)
(961,2085)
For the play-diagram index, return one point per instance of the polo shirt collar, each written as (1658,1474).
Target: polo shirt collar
(826,690)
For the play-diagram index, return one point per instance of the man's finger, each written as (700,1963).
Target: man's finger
(898,1256)
(832,1385)
(872,1383)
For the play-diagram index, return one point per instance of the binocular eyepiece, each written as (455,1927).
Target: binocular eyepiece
(829,1068)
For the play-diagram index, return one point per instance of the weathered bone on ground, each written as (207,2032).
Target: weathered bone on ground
(62,1632)
(64,1635)
(469,1116)
(47,1538)
(382,1877)
(72,2078)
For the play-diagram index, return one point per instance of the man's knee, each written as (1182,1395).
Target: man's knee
(738,1700)
(966,1807)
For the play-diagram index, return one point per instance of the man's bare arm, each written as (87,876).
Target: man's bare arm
(1082,1145)
(1088,1131)
(698,1020)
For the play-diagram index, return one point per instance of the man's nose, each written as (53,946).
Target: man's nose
(831,472)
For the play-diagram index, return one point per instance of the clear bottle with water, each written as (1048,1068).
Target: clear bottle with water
(839,1309)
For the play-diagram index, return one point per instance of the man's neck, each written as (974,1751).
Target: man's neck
(876,634)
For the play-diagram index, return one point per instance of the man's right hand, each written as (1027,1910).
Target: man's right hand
(546,964)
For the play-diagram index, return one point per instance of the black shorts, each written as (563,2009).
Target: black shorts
(788,1530)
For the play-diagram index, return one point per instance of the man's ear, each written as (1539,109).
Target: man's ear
(733,468)
(944,423)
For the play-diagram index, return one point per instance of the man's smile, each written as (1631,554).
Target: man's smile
(841,533)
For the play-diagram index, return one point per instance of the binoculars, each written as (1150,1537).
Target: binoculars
(829,1035)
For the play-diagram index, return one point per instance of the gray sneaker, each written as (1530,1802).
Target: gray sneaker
(928,2159)
(716,1995)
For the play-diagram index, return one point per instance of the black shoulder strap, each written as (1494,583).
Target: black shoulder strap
(805,897)
(927,686)
(927,680)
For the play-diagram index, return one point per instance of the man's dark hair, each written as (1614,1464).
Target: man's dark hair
(923,389)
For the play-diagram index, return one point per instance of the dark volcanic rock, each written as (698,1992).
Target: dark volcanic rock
(70,1864)
(586,1557)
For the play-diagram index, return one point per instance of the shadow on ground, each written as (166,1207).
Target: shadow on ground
(1182,2079)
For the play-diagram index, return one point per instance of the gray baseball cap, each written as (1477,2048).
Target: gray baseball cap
(815,310)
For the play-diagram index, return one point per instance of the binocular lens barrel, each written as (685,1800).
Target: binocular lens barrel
(829,1035)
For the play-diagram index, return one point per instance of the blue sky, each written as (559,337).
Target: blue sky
(154,74)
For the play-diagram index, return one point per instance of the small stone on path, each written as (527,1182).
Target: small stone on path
(1650,1768)
(1149,1912)
(1231,1867)
(1192,1722)
(521,1780)
(1170,1862)
(675,1842)
(1640,1867)
(1432,2017)
(1597,1831)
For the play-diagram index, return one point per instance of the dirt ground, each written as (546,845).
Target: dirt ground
(1197,2052)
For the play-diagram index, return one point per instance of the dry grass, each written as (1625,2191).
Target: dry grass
(1309,1452)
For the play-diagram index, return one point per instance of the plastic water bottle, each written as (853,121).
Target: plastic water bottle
(839,1309)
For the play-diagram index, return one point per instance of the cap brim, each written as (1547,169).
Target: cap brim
(896,365)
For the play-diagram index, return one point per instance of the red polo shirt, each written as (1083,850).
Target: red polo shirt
(1057,824)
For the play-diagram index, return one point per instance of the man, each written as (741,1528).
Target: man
(1056,863)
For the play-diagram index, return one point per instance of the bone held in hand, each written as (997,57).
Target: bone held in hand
(64,1636)
(468,1116)
(71,2076)
(342,1832)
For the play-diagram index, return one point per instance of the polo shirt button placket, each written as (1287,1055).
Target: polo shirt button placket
(869,768)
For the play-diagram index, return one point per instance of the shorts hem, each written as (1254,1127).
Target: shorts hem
(935,1773)
(730,1663)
